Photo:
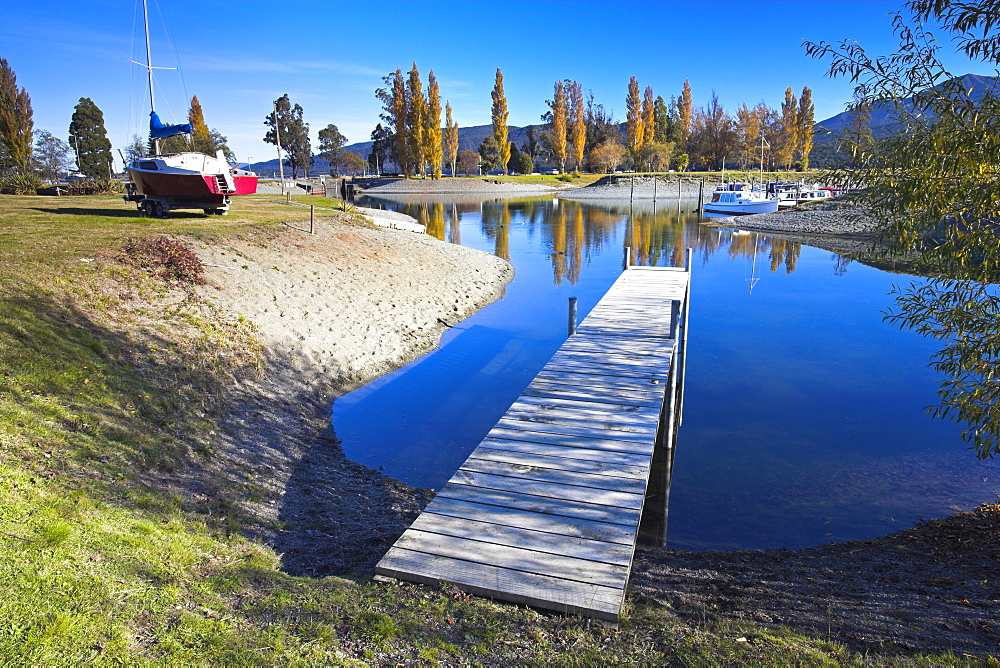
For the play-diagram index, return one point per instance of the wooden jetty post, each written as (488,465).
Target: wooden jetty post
(572,317)
(546,511)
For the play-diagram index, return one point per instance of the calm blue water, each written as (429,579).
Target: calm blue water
(803,415)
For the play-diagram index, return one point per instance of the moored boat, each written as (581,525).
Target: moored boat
(734,199)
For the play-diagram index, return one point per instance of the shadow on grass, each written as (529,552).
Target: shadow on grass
(334,515)
(149,431)
(89,389)
(118,213)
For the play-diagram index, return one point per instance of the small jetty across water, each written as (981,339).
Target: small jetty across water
(546,511)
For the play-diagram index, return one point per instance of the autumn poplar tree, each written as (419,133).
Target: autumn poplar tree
(806,117)
(648,117)
(684,109)
(399,120)
(432,128)
(634,131)
(500,115)
(16,123)
(201,136)
(416,114)
(784,152)
(577,124)
(450,138)
(559,117)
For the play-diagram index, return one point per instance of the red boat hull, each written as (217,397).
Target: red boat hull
(191,187)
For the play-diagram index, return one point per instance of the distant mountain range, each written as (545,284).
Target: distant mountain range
(883,122)
(825,151)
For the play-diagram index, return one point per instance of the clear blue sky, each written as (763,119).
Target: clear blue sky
(330,56)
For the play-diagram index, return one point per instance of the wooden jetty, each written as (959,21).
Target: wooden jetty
(546,511)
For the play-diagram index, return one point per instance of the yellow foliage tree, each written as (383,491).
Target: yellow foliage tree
(416,113)
(806,118)
(432,128)
(450,138)
(784,152)
(500,115)
(684,108)
(577,124)
(648,116)
(634,131)
(559,115)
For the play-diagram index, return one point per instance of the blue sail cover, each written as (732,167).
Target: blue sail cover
(157,130)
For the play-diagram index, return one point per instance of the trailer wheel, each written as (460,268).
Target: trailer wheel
(208,212)
(147,209)
(158,210)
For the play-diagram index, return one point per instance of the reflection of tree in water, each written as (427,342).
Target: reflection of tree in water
(576,239)
(435,220)
(780,251)
(965,315)
(558,236)
(783,252)
(454,229)
(495,224)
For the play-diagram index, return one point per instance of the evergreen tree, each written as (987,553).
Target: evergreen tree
(15,123)
(294,134)
(416,113)
(89,139)
(450,138)
(514,162)
(432,130)
(500,116)
(558,131)
(577,125)
(806,117)
(331,144)
(489,154)
(383,148)
(664,129)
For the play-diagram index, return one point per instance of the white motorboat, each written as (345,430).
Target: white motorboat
(734,199)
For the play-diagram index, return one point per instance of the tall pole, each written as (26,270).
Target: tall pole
(277,139)
(149,71)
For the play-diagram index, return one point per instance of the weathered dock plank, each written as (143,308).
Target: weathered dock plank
(546,510)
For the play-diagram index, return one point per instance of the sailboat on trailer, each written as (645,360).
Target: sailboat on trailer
(187,180)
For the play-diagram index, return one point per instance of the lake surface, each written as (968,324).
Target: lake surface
(804,412)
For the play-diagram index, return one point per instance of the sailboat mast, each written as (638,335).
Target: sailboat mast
(149,70)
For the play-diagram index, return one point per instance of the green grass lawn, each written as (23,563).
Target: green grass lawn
(109,375)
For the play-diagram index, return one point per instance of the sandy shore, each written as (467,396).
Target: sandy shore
(333,311)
